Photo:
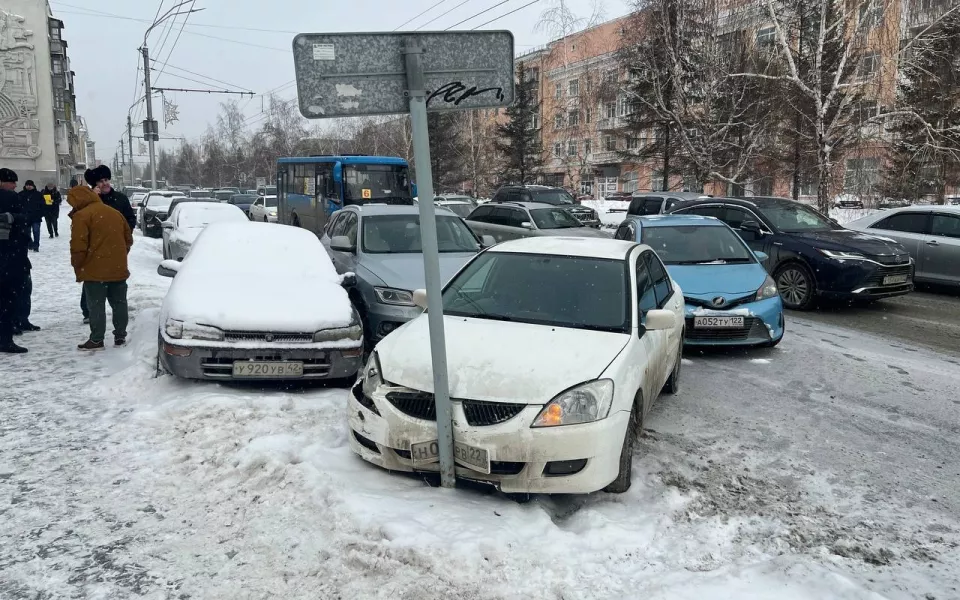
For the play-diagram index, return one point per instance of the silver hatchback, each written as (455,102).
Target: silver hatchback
(514,220)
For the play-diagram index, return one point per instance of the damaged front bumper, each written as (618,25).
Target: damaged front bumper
(763,324)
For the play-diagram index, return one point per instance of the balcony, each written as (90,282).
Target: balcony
(56,47)
(608,123)
(606,157)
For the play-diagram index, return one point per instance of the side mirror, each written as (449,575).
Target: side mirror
(526,225)
(166,225)
(341,243)
(761,256)
(420,298)
(752,227)
(487,240)
(660,320)
(348,280)
(168,268)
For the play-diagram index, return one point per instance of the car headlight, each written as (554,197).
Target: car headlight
(768,289)
(584,403)
(839,255)
(173,328)
(394,296)
(192,331)
(353,332)
(371,375)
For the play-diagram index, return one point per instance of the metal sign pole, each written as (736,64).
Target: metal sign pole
(431,257)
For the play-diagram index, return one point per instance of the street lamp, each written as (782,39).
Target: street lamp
(150,129)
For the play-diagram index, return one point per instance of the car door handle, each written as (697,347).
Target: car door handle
(933,243)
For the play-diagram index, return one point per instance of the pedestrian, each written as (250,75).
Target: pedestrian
(33,201)
(99,180)
(52,200)
(99,242)
(14,259)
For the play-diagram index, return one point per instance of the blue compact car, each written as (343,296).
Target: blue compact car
(730,298)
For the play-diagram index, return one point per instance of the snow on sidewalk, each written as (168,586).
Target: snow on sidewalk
(115,484)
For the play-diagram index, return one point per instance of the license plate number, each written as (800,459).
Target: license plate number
(717,322)
(894,279)
(477,459)
(267,370)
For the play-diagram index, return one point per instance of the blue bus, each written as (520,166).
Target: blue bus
(311,188)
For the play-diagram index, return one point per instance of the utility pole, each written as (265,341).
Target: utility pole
(130,147)
(148,125)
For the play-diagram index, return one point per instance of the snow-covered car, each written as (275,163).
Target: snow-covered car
(137,198)
(264,209)
(279,311)
(556,349)
(188,219)
(154,210)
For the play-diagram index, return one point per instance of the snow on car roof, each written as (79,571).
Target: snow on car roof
(198,212)
(568,246)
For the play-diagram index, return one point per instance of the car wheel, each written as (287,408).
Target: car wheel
(796,285)
(673,383)
(296,221)
(264,218)
(622,483)
(161,369)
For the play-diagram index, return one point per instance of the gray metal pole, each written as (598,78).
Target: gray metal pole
(133,173)
(431,258)
(149,92)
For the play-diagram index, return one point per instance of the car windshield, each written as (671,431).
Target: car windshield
(696,245)
(375,182)
(270,201)
(399,234)
(585,293)
(459,208)
(201,216)
(554,218)
(159,202)
(270,190)
(791,217)
(555,197)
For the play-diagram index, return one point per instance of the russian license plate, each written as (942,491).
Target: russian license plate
(477,459)
(717,322)
(267,370)
(894,279)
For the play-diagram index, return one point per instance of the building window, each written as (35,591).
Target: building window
(587,116)
(57,66)
(633,143)
(609,143)
(763,187)
(690,184)
(573,118)
(869,65)
(557,149)
(766,36)
(55,33)
(871,13)
(558,121)
(586,185)
(610,110)
(558,90)
(865,111)
(572,148)
(631,181)
(656,181)
(862,175)
(587,147)
(534,121)
(809,184)
(573,87)
(534,95)
(624,107)
(533,74)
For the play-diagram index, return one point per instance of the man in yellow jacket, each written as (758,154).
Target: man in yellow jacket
(99,243)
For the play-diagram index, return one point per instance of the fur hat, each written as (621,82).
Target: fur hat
(103,172)
(90,176)
(7,176)
(30,183)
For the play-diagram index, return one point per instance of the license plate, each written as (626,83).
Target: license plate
(894,279)
(267,370)
(717,322)
(477,459)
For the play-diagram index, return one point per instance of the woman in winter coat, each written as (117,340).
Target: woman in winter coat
(52,200)
(35,208)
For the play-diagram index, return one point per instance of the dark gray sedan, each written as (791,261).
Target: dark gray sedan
(514,220)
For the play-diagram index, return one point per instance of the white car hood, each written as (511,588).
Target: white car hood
(498,361)
(256,302)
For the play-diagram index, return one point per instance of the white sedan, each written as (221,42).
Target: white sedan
(556,349)
(187,221)
(277,311)
(264,209)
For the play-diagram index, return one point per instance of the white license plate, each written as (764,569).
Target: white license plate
(267,370)
(477,459)
(894,279)
(717,322)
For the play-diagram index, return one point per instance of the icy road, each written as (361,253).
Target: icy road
(825,468)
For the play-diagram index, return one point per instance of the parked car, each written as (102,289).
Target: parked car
(187,220)
(655,203)
(137,198)
(154,210)
(201,194)
(515,220)
(177,201)
(461,207)
(548,195)
(264,208)
(551,389)
(455,198)
(243,202)
(887,203)
(931,234)
(213,324)
(130,190)
(730,300)
(267,190)
(952,200)
(847,201)
(809,254)
(381,245)
(224,195)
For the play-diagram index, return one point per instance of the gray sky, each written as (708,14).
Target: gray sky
(103,49)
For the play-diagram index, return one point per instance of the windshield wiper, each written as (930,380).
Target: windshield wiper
(606,328)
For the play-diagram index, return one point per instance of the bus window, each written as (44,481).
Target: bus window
(375,183)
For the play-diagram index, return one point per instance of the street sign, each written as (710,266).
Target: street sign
(350,74)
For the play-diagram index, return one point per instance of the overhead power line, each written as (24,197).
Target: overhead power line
(477,15)
(176,68)
(506,14)
(179,33)
(433,6)
(441,15)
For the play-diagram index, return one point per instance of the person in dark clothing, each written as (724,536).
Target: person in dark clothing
(14,259)
(35,207)
(52,200)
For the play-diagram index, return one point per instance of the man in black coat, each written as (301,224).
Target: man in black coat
(35,207)
(14,262)
(52,200)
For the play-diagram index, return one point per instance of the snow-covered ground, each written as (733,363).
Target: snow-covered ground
(823,469)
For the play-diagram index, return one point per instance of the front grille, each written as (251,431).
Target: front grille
(752,328)
(419,405)
(876,280)
(266,336)
(892,259)
(728,302)
(481,413)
